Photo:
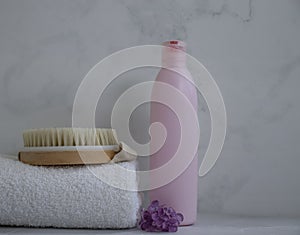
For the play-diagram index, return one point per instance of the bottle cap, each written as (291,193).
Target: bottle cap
(173,53)
(180,45)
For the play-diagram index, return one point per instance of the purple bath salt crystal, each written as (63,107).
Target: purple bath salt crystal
(159,218)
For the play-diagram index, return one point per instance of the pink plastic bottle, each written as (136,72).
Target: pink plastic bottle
(181,193)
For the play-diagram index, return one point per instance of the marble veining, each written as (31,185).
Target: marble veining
(250,47)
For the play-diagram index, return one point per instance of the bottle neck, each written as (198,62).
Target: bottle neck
(173,54)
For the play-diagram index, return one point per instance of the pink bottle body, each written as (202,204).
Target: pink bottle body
(181,193)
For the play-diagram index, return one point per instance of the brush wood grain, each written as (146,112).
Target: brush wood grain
(54,158)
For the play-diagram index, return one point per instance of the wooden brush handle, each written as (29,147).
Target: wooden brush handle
(55,158)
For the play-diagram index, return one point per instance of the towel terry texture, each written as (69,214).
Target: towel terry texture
(66,197)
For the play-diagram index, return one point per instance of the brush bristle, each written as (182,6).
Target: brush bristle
(47,137)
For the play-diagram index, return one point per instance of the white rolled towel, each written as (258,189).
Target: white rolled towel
(66,197)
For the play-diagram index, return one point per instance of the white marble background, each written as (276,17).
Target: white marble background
(252,48)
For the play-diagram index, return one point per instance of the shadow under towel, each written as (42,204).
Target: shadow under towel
(66,197)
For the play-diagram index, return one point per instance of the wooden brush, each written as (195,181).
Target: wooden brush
(69,146)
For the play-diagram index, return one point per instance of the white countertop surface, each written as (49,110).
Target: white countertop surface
(206,224)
